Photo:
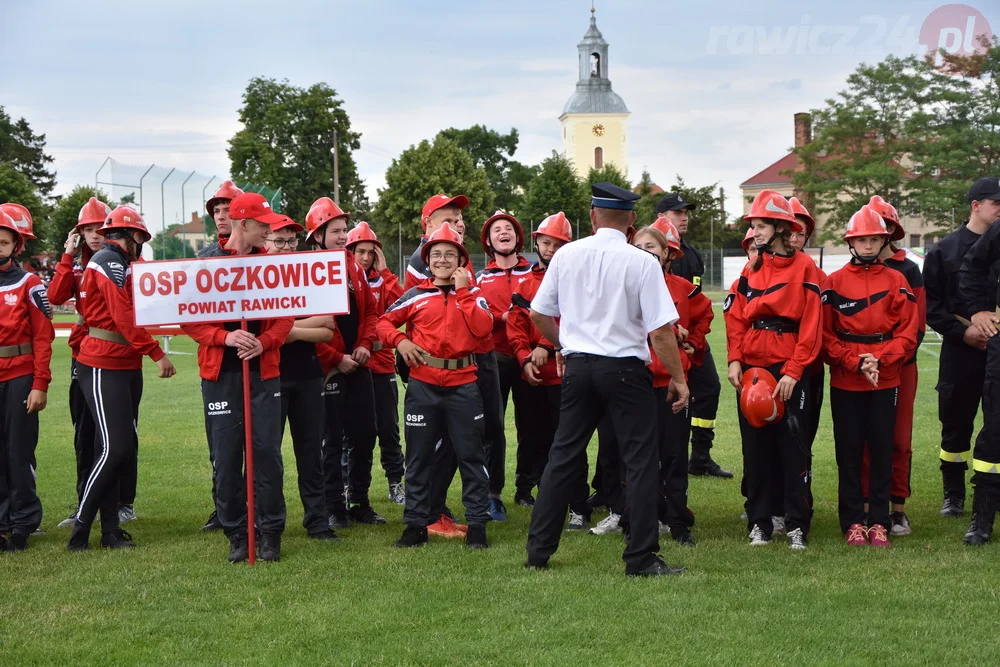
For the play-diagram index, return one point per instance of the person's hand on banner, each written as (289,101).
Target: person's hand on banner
(166,367)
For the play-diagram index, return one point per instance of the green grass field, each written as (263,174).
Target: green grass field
(175,599)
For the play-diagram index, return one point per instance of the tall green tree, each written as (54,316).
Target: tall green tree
(24,150)
(421,172)
(556,188)
(287,141)
(170,247)
(494,152)
(609,173)
(16,187)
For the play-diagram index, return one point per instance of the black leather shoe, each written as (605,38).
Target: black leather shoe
(413,536)
(213,522)
(116,539)
(269,548)
(524,499)
(326,535)
(709,468)
(339,521)
(953,506)
(238,549)
(18,542)
(657,569)
(3,543)
(79,539)
(683,538)
(476,537)
(365,514)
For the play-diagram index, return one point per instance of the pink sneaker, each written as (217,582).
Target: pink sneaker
(857,535)
(878,536)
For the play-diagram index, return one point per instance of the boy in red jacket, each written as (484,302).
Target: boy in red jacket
(385,287)
(869,331)
(445,320)
(81,244)
(222,347)
(110,373)
(26,335)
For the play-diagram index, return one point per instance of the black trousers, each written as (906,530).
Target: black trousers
(673,429)
(387,424)
(223,400)
(986,455)
(817,381)
(609,476)
(540,413)
(705,388)
(961,375)
(350,419)
(113,398)
(84,434)
(20,508)
(513,385)
(592,387)
(861,417)
(302,408)
(785,444)
(432,412)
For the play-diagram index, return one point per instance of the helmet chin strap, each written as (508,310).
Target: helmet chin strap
(503,254)
(868,261)
(766,247)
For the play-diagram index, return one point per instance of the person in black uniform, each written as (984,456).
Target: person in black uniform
(979,299)
(704,379)
(963,346)
(603,330)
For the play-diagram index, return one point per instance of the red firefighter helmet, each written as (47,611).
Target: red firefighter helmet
(6,222)
(557,226)
(518,232)
(757,404)
(21,217)
(361,233)
(802,213)
(322,211)
(286,223)
(125,217)
(770,205)
(888,212)
(747,240)
(444,234)
(670,231)
(94,212)
(226,192)
(866,222)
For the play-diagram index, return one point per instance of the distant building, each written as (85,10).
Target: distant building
(595,119)
(192,233)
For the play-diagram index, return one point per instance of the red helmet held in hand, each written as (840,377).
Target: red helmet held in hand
(757,404)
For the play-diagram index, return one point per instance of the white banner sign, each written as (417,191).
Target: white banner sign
(251,287)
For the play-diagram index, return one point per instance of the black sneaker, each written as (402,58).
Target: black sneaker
(413,536)
(79,539)
(116,539)
(476,537)
(18,542)
(238,550)
(213,522)
(326,535)
(524,499)
(657,569)
(953,506)
(269,548)
(3,543)
(365,514)
(683,537)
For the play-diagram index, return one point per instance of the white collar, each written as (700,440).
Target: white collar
(613,233)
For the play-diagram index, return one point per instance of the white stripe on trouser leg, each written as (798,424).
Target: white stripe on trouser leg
(99,417)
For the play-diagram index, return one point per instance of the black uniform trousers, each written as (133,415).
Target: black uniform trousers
(863,418)
(609,476)
(961,375)
(513,385)
(387,424)
(540,413)
(592,387)
(703,381)
(673,429)
(432,412)
(350,419)
(986,455)
(784,444)
(20,508)
(814,403)
(113,398)
(84,434)
(224,421)
(302,408)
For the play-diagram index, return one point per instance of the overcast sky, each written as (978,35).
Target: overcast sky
(712,86)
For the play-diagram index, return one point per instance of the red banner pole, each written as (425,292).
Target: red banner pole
(248,450)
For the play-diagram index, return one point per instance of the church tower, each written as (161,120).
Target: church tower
(595,119)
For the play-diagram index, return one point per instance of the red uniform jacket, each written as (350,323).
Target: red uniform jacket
(385,289)
(25,317)
(357,283)
(447,323)
(862,300)
(106,293)
(816,367)
(65,285)
(785,289)
(497,285)
(915,278)
(695,314)
(522,334)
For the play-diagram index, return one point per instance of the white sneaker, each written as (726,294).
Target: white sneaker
(796,540)
(607,525)
(396,493)
(778,523)
(900,524)
(757,538)
(68,521)
(576,521)
(126,513)
(664,528)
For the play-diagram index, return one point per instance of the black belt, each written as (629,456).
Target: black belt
(777,324)
(863,338)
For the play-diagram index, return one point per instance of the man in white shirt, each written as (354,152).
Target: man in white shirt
(609,296)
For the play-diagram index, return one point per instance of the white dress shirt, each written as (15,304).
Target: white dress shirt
(608,295)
